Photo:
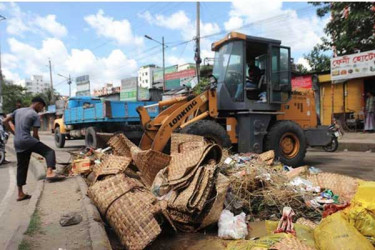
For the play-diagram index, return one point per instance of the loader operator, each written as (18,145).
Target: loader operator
(252,80)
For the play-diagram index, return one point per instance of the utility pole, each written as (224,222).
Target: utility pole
(1,75)
(69,80)
(70,86)
(50,78)
(162,44)
(197,58)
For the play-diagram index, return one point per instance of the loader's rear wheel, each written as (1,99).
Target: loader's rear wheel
(209,129)
(288,141)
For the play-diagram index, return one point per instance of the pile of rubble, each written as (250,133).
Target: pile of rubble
(199,184)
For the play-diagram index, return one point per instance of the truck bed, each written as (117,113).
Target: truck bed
(108,111)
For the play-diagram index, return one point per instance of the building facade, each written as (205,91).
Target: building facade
(108,89)
(145,75)
(36,84)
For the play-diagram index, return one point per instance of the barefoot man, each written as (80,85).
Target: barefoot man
(20,123)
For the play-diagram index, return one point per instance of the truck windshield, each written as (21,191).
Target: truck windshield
(228,68)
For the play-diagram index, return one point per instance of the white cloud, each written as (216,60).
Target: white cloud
(20,22)
(174,60)
(269,19)
(180,21)
(30,60)
(233,23)
(49,24)
(119,31)
(304,62)
(2,6)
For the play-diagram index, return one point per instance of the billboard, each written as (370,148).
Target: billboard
(178,79)
(158,73)
(353,66)
(83,86)
(128,89)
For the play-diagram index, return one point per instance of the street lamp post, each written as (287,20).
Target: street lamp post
(69,79)
(2,18)
(163,47)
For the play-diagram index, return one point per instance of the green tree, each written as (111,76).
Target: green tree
(351,27)
(13,93)
(318,60)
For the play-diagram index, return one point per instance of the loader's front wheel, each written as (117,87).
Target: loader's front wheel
(209,129)
(288,141)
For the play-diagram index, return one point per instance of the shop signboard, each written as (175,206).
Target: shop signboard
(353,66)
(302,83)
(178,79)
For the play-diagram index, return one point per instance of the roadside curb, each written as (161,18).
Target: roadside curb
(356,147)
(98,236)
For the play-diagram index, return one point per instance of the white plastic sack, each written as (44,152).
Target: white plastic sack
(232,227)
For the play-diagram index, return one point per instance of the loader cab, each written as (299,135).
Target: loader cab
(253,74)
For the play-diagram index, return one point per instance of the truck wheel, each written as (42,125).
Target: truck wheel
(59,138)
(288,141)
(209,129)
(91,140)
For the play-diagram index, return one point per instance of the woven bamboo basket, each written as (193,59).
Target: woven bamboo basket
(111,165)
(344,186)
(182,143)
(149,163)
(105,192)
(132,217)
(182,164)
(129,208)
(120,145)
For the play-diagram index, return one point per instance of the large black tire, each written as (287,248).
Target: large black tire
(91,139)
(288,141)
(333,146)
(59,138)
(210,130)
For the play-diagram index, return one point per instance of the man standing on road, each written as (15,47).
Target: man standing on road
(23,120)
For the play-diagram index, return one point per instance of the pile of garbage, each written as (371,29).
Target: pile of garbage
(199,184)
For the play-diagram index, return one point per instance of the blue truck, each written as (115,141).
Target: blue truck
(93,119)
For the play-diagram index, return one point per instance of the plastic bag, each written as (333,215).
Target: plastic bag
(334,232)
(361,213)
(232,227)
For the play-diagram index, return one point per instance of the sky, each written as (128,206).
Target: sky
(106,40)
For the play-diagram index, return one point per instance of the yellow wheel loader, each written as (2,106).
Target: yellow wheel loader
(239,110)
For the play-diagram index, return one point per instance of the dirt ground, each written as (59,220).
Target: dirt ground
(59,198)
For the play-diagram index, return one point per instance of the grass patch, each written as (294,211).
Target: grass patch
(24,245)
(35,224)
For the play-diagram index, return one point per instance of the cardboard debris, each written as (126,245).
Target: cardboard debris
(81,166)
